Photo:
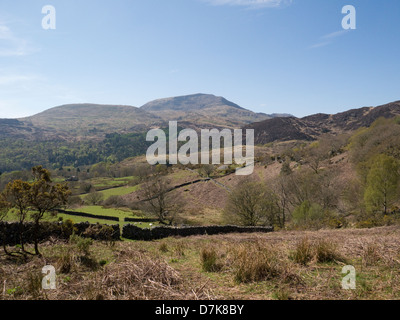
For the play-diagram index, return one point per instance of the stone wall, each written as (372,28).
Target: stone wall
(9,232)
(88,215)
(135,233)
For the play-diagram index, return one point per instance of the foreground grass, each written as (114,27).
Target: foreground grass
(280,265)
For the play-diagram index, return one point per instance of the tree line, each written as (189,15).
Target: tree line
(312,192)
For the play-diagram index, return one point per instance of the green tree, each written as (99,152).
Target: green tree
(17,195)
(382,188)
(44,196)
(94,198)
(4,208)
(308,214)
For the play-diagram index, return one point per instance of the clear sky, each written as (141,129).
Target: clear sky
(265,55)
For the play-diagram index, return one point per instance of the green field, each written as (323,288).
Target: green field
(95,210)
(120,191)
(104,182)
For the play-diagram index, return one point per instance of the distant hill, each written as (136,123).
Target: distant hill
(90,120)
(85,134)
(93,121)
(311,127)
(203,110)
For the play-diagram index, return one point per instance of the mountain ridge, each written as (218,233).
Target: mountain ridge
(311,127)
(93,121)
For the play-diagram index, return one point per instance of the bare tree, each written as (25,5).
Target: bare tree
(158,201)
(206,170)
(281,187)
(251,204)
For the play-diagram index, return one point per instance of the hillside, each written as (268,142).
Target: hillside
(203,110)
(85,134)
(311,127)
(91,121)
(77,122)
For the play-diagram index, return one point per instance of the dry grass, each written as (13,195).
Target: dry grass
(209,259)
(326,251)
(259,262)
(281,265)
(303,253)
(134,274)
(137,276)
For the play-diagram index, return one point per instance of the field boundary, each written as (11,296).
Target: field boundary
(132,232)
(88,215)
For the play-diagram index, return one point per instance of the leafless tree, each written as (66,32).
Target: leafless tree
(158,201)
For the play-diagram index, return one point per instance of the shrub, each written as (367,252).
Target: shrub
(100,232)
(83,244)
(308,214)
(67,228)
(369,223)
(74,201)
(114,201)
(94,198)
(85,187)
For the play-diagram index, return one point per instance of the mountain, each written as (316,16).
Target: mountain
(204,111)
(311,127)
(90,121)
(77,122)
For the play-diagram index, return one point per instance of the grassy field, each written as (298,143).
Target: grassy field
(298,265)
(95,210)
(118,191)
(121,191)
(104,182)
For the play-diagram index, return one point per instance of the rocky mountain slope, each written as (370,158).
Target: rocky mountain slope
(311,127)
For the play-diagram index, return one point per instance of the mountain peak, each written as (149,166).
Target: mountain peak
(193,102)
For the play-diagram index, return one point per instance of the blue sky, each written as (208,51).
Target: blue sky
(265,55)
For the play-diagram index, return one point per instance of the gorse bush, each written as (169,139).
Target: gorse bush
(101,232)
(82,244)
(67,227)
